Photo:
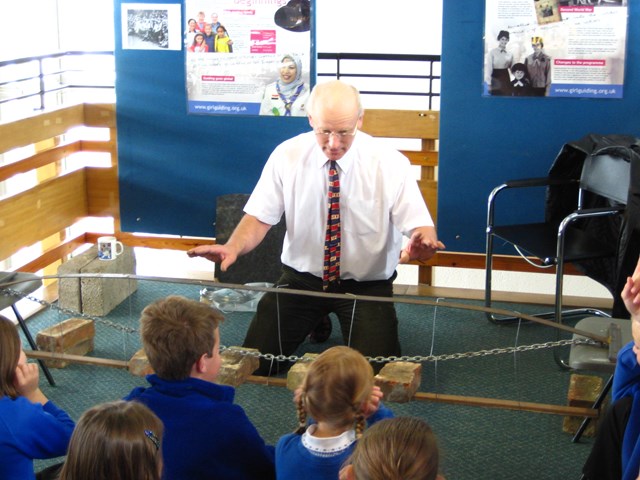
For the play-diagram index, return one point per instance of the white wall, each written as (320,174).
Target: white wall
(379,26)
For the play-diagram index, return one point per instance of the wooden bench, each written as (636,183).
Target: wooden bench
(422,125)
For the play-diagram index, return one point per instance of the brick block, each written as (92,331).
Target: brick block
(73,336)
(298,371)
(399,381)
(139,364)
(583,391)
(236,366)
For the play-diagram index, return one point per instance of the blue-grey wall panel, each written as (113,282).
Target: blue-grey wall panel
(172,165)
(486,140)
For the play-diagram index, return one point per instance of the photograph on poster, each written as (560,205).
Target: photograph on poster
(247,58)
(147,26)
(555,48)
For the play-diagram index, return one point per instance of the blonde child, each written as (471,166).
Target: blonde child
(337,394)
(115,441)
(31,426)
(402,448)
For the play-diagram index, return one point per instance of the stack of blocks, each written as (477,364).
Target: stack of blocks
(73,337)
(95,295)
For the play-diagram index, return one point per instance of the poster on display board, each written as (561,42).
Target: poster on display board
(555,48)
(248,57)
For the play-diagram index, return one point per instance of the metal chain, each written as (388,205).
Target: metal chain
(44,303)
(294,358)
(431,358)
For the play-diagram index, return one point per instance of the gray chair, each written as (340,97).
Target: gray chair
(24,284)
(599,358)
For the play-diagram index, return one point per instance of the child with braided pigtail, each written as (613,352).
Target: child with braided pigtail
(339,398)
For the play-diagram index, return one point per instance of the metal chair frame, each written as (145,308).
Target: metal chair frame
(595,168)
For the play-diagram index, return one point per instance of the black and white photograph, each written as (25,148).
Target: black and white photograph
(151,26)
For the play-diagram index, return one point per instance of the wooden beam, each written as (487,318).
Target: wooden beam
(99,115)
(40,127)
(170,243)
(53,255)
(511,263)
(468,401)
(43,210)
(421,157)
(38,160)
(401,123)
(507,404)
(103,198)
(81,359)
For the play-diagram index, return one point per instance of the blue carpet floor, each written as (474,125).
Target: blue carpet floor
(476,442)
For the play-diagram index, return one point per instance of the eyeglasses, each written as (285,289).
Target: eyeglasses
(152,436)
(339,135)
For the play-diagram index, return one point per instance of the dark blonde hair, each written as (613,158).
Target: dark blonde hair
(401,448)
(176,332)
(115,441)
(10,347)
(336,388)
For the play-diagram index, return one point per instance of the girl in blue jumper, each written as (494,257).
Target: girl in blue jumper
(30,425)
(339,394)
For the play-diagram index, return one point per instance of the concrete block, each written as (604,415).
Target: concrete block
(399,381)
(69,293)
(583,391)
(236,366)
(298,371)
(96,296)
(101,295)
(73,336)
(139,364)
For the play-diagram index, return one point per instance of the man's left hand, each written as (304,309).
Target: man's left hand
(422,246)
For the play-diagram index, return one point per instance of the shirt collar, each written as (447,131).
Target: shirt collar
(344,163)
(328,446)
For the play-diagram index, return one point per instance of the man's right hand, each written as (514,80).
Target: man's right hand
(215,253)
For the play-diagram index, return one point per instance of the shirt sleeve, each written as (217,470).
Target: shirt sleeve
(409,209)
(626,379)
(382,413)
(266,202)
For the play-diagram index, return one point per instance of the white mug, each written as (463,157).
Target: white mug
(109,248)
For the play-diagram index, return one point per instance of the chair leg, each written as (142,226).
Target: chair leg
(596,405)
(32,343)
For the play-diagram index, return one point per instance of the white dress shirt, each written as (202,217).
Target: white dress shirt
(379,202)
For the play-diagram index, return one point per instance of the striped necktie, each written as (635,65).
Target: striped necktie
(331,270)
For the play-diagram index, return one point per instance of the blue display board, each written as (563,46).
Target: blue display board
(173,165)
(487,140)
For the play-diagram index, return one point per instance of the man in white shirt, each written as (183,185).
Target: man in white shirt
(379,202)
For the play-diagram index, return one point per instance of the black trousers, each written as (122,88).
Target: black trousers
(283,321)
(605,460)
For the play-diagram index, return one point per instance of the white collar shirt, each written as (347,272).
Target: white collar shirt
(379,202)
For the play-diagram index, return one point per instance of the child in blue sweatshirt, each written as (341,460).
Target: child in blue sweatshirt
(337,394)
(206,436)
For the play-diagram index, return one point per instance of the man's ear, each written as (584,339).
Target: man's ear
(310,120)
